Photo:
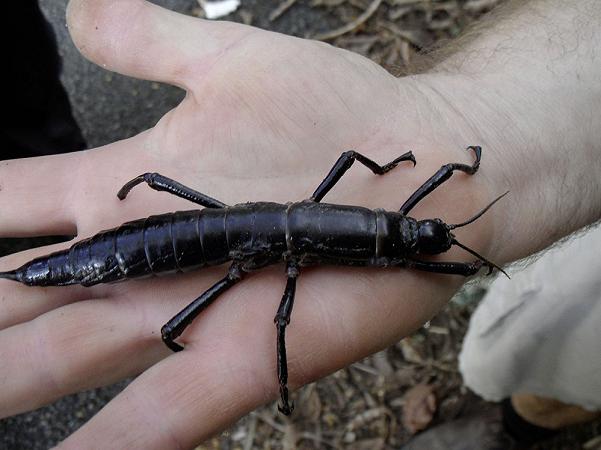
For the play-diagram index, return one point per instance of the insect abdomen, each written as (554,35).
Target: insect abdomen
(158,244)
(162,244)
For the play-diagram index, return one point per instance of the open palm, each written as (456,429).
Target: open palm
(264,118)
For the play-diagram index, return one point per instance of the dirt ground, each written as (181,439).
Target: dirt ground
(361,407)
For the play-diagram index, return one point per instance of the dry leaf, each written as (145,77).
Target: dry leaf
(410,353)
(419,407)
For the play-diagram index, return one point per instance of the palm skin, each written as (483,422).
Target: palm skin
(264,118)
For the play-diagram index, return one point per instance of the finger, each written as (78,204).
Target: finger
(137,38)
(35,196)
(91,343)
(58,194)
(209,395)
(93,194)
(20,303)
(76,347)
(229,368)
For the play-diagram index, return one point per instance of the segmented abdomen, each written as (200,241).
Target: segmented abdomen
(157,244)
(161,244)
(164,243)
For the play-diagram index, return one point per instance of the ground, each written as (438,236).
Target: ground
(357,408)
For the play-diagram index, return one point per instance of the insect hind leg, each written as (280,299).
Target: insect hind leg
(281,320)
(176,326)
(160,182)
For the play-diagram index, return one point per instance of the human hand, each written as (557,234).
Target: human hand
(264,118)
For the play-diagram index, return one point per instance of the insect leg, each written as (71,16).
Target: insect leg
(453,268)
(282,319)
(159,182)
(343,164)
(176,326)
(443,174)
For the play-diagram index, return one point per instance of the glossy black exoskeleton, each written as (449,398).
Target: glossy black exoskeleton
(254,235)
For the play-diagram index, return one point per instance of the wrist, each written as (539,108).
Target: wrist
(438,136)
(525,86)
(533,146)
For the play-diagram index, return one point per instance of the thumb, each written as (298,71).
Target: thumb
(140,39)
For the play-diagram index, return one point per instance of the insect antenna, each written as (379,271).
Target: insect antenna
(482,258)
(477,216)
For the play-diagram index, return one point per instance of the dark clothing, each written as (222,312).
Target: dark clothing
(38,118)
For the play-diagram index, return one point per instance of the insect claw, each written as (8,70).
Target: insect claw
(491,265)
(504,273)
(490,269)
(174,346)
(129,186)
(168,339)
(286,409)
(410,157)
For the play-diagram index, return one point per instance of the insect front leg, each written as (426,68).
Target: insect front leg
(159,182)
(442,175)
(344,163)
(452,268)
(176,326)
(282,319)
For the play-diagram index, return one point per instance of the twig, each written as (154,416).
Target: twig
(290,438)
(362,419)
(272,423)
(371,9)
(282,428)
(411,2)
(252,431)
(415,37)
(281,9)
(592,444)
(441,366)
(317,439)
(367,369)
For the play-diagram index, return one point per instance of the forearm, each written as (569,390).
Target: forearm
(528,90)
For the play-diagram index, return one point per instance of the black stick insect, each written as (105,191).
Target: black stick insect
(254,235)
